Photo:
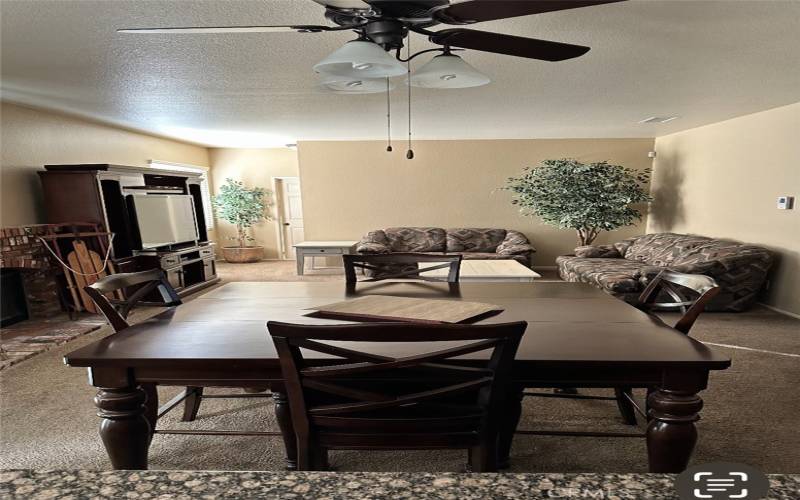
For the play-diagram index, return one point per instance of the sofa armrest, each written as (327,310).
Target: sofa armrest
(515,243)
(374,242)
(598,251)
(520,249)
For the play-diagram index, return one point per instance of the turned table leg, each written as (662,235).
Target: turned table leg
(284,417)
(671,433)
(124,429)
(508,426)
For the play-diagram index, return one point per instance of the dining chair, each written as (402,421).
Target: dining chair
(363,401)
(399,266)
(668,291)
(137,287)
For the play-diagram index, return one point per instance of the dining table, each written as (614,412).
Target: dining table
(577,337)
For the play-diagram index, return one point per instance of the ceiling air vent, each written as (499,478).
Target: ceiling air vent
(659,119)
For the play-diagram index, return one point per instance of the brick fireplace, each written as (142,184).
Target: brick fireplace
(29,270)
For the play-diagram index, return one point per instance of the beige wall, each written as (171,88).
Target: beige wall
(722,180)
(32,138)
(350,188)
(256,168)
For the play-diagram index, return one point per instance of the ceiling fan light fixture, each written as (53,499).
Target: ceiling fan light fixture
(342,85)
(359,59)
(448,71)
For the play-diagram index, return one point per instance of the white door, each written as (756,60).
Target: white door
(291,207)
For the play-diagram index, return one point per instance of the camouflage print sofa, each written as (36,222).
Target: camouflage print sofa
(624,268)
(472,243)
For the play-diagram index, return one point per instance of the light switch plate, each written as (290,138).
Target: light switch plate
(785,202)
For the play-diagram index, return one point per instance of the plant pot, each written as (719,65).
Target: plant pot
(243,254)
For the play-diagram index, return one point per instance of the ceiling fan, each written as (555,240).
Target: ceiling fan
(388,22)
(365,65)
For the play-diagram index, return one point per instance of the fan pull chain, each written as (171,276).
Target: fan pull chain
(410,152)
(388,117)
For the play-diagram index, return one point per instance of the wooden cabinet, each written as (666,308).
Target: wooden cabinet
(100,193)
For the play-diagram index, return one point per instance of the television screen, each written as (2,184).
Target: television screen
(165,219)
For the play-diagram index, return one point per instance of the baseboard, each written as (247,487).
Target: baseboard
(780,311)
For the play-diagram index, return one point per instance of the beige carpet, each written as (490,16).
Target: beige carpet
(47,419)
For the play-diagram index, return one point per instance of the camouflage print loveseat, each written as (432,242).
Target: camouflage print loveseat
(624,268)
(472,243)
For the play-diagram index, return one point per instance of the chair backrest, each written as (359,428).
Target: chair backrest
(116,311)
(339,383)
(401,266)
(703,288)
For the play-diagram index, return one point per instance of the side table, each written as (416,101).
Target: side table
(321,248)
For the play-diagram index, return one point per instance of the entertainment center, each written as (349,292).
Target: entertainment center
(156,216)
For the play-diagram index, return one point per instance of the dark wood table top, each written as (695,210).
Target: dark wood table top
(568,323)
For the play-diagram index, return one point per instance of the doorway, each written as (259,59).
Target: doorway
(289,207)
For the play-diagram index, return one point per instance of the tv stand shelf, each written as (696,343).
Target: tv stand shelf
(187,269)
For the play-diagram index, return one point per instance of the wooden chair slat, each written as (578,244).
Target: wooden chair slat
(321,347)
(373,262)
(417,397)
(408,361)
(347,392)
(339,351)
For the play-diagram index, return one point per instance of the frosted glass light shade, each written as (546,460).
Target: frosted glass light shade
(360,59)
(448,71)
(342,85)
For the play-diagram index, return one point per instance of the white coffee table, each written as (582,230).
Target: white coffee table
(487,271)
(320,249)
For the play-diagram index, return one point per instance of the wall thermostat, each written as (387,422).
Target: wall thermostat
(785,202)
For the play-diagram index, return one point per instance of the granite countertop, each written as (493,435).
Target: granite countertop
(34,485)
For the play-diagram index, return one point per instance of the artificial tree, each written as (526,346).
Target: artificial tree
(587,197)
(243,207)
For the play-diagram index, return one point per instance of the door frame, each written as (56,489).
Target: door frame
(277,182)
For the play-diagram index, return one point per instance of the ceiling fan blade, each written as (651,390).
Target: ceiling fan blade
(300,28)
(345,4)
(475,11)
(508,44)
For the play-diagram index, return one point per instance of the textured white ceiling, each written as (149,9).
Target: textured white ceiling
(702,60)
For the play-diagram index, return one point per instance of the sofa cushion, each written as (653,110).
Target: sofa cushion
(470,239)
(613,275)
(716,250)
(416,239)
(662,249)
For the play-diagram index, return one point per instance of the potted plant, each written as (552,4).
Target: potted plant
(586,197)
(243,208)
